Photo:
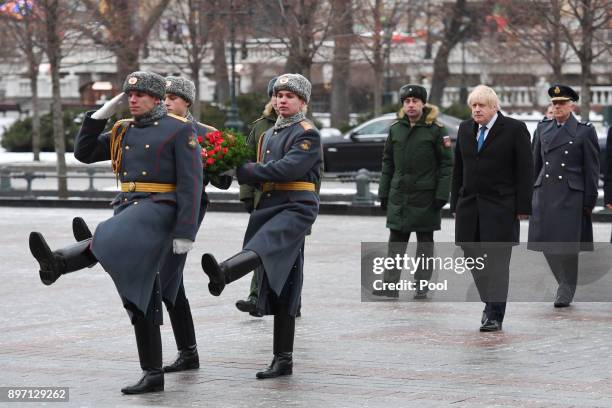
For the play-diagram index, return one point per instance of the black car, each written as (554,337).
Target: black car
(362,147)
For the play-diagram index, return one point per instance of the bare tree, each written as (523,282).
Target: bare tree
(58,17)
(343,38)
(535,25)
(191,44)
(123,27)
(457,22)
(302,27)
(584,30)
(380,18)
(218,36)
(23,29)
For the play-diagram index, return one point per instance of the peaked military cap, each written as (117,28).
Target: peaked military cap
(560,92)
(182,87)
(414,91)
(147,82)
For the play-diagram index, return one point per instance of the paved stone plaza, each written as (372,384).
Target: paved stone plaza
(347,353)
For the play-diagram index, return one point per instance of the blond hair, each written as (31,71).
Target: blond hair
(485,95)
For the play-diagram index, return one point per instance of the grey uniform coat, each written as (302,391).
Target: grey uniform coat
(131,245)
(278,226)
(566,169)
(171,272)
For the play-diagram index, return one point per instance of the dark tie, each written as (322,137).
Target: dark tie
(481,138)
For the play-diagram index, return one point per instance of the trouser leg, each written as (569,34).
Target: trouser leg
(398,242)
(425,249)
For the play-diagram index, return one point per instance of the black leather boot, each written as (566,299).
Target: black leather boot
(284,333)
(184,334)
(187,359)
(148,341)
(53,264)
(282,364)
(229,270)
(80,230)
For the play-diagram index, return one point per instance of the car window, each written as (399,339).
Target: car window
(376,128)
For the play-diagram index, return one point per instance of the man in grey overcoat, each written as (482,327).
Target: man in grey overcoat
(156,158)
(566,169)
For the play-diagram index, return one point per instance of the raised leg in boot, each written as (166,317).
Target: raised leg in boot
(229,270)
(80,230)
(184,334)
(53,264)
(284,333)
(148,341)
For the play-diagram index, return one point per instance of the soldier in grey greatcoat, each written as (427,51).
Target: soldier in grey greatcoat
(287,171)
(156,158)
(566,160)
(180,94)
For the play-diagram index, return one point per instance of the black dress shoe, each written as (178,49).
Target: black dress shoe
(247,306)
(186,359)
(420,295)
(394,294)
(151,381)
(282,364)
(256,313)
(491,325)
(561,304)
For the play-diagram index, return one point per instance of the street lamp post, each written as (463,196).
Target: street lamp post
(233,120)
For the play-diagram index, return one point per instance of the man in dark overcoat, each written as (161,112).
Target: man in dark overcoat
(566,167)
(287,170)
(415,182)
(156,158)
(490,194)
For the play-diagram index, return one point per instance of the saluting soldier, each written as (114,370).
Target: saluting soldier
(180,93)
(156,157)
(566,165)
(250,195)
(287,170)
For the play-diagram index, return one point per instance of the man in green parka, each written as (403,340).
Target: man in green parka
(415,182)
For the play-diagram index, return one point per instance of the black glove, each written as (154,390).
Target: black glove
(438,204)
(383,203)
(249,205)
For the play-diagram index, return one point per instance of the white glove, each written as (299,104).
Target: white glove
(109,108)
(181,246)
(230,172)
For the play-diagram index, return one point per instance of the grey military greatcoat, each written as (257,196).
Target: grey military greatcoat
(566,164)
(171,272)
(278,226)
(131,245)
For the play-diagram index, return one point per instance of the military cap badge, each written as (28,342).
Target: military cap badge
(168,83)
(283,80)
(557,90)
(132,80)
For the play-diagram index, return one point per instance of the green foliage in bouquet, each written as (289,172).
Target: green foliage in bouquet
(223,150)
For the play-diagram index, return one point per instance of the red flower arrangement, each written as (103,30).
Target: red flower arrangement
(222,151)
